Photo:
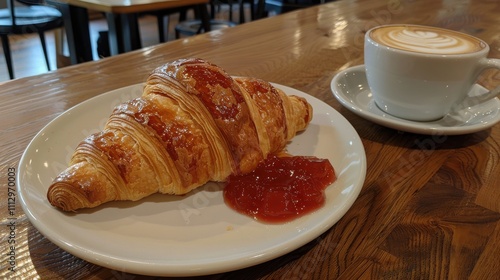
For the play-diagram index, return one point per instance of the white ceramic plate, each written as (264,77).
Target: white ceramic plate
(350,87)
(195,234)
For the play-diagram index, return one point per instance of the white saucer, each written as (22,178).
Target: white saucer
(351,90)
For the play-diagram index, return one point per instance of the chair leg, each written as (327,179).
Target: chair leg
(242,11)
(44,47)
(8,58)
(230,4)
(59,40)
(166,24)
(183,15)
(161,29)
(212,10)
(252,10)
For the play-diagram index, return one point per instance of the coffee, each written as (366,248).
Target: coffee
(422,73)
(425,39)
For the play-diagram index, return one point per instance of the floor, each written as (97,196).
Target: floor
(27,54)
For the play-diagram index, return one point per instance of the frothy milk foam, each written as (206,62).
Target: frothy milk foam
(425,39)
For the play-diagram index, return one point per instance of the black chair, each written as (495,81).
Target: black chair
(28,17)
(215,4)
(162,17)
(194,26)
(284,6)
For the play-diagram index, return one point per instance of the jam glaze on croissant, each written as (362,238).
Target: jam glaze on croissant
(194,123)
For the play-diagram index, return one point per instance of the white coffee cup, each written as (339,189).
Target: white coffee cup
(422,73)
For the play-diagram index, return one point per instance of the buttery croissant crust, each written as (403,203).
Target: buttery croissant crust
(193,124)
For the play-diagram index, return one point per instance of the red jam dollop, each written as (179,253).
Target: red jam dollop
(281,188)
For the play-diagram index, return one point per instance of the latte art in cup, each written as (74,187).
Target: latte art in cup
(424,39)
(422,73)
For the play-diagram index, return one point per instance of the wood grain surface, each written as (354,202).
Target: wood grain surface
(430,204)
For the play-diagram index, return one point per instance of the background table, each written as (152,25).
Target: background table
(121,16)
(425,211)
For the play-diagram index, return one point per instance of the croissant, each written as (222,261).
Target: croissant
(193,124)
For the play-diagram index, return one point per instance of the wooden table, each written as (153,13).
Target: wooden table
(121,16)
(430,204)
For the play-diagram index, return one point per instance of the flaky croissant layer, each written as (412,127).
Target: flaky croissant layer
(194,123)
